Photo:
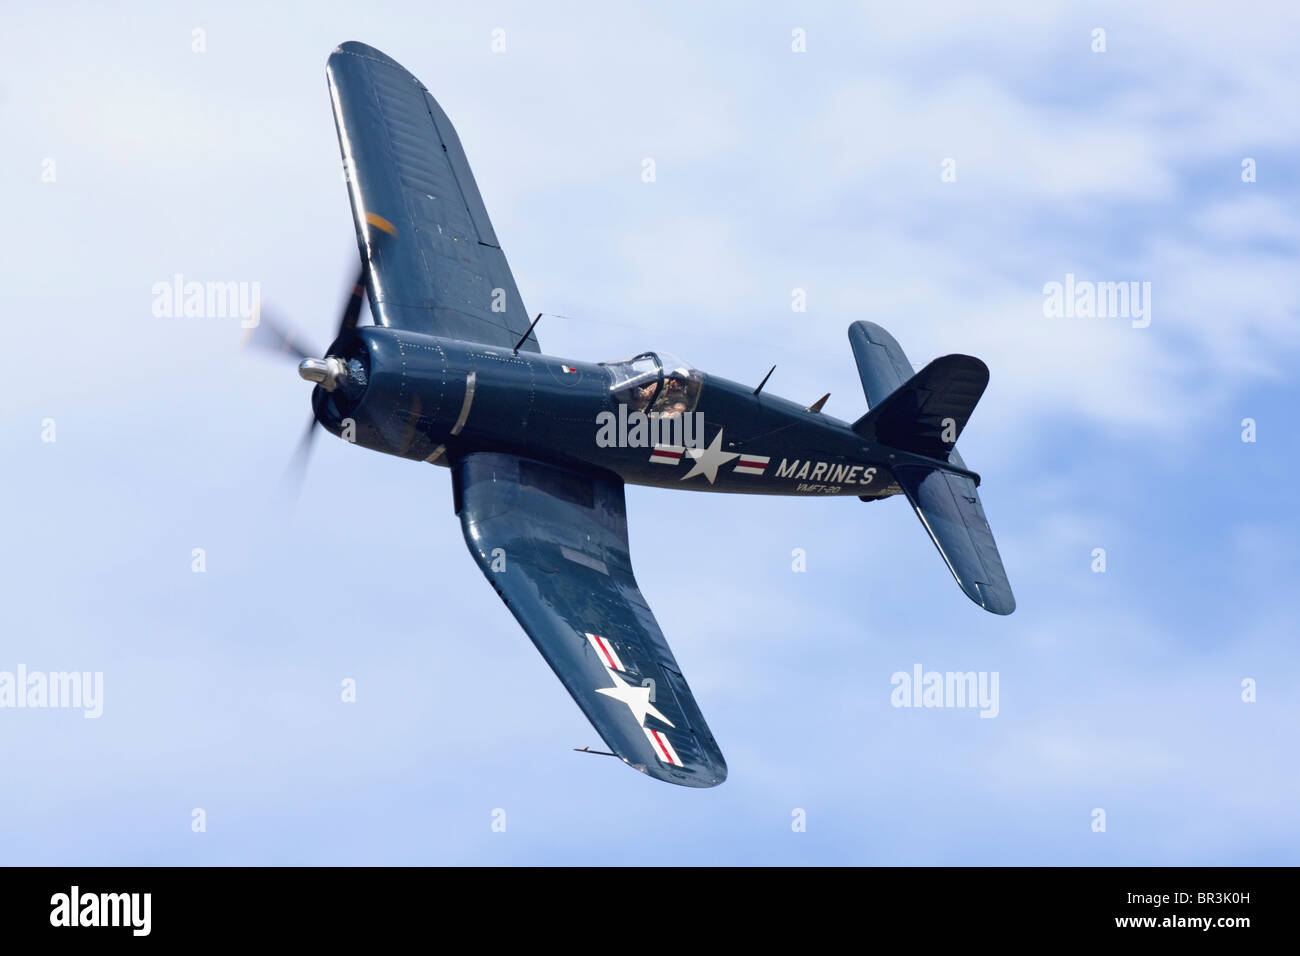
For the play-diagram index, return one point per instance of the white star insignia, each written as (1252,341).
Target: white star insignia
(637,698)
(708,459)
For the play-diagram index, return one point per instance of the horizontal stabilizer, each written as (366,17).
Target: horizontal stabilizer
(949,507)
(926,414)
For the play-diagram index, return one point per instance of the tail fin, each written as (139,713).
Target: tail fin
(881,362)
(923,414)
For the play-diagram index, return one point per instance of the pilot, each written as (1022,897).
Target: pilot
(673,401)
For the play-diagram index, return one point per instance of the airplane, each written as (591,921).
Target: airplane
(540,447)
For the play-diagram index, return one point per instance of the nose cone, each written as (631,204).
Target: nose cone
(326,372)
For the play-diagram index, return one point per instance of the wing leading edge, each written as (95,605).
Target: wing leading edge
(553,543)
(435,263)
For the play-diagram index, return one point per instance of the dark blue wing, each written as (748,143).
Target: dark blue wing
(435,263)
(553,543)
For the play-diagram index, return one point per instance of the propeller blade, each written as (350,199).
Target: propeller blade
(271,334)
(352,310)
(297,467)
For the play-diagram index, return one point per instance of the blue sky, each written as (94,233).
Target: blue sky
(775,170)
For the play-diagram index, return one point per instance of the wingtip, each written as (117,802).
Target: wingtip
(701,780)
(367,52)
(695,777)
(357,48)
(994,600)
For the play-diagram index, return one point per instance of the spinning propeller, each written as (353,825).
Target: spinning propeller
(271,334)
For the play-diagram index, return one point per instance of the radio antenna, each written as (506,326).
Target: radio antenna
(528,333)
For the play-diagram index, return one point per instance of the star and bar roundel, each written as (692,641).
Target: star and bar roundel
(708,460)
(637,699)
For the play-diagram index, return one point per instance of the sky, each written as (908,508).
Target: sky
(931,167)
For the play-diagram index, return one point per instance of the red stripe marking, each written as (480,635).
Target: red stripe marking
(667,454)
(600,642)
(751,463)
(659,741)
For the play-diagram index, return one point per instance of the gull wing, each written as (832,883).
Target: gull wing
(553,543)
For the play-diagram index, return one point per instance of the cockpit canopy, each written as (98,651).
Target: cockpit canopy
(655,382)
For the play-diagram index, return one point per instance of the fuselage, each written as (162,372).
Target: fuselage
(433,399)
